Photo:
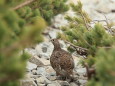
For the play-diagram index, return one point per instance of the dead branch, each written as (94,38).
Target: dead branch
(109,28)
(23,4)
(75,45)
(90,71)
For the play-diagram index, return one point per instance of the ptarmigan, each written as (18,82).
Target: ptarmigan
(61,61)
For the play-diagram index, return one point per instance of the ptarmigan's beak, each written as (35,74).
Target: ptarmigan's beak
(50,40)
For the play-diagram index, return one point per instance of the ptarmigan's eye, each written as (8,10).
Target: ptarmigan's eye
(52,39)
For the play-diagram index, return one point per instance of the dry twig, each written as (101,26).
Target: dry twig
(23,4)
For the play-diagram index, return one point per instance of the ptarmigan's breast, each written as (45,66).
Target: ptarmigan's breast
(62,61)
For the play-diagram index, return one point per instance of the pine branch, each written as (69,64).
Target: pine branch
(23,4)
(84,20)
(106,47)
(75,45)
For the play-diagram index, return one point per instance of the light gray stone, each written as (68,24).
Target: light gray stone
(57,20)
(28,82)
(35,60)
(51,74)
(41,71)
(45,56)
(35,76)
(43,60)
(34,72)
(43,80)
(51,85)
(30,66)
(64,83)
(55,83)
(63,45)
(44,49)
(51,78)
(73,84)
(82,82)
(31,51)
(49,70)
(81,71)
(53,33)
(41,84)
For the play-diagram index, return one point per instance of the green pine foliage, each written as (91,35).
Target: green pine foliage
(99,42)
(21,28)
(105,61)
(45,8)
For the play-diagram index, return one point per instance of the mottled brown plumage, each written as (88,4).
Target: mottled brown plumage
(61,61)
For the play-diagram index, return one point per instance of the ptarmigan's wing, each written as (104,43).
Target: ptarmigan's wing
(65,60)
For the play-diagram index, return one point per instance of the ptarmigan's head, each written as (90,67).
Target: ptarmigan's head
(56,43)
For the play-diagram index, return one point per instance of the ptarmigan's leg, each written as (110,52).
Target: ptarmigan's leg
(70,75)
(60,77)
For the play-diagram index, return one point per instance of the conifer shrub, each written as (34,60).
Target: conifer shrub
(21,25)
(44,8)
(96,42)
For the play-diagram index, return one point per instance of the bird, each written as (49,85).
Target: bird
(61,61)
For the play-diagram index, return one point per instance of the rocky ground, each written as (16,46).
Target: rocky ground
(39,72)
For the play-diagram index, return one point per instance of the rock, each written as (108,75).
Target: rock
(51,85)
(51,75)
(34,72)
(82,82)
(73,84)
(44,55)
(63,45)
(43,80)
(113,0)
(105,9)
(41,85)
(46,62)
(36,61)
(35,76)
(28,82)
(44,50)
(49,70)
(31,51)
(41,71)
(51,78)
(30,66)
(41,61)
(57,20)
(30,75)
(55,83)
(111,18)
(53,33)
(76,60)
(83,77)
(64,83)
(81,71)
